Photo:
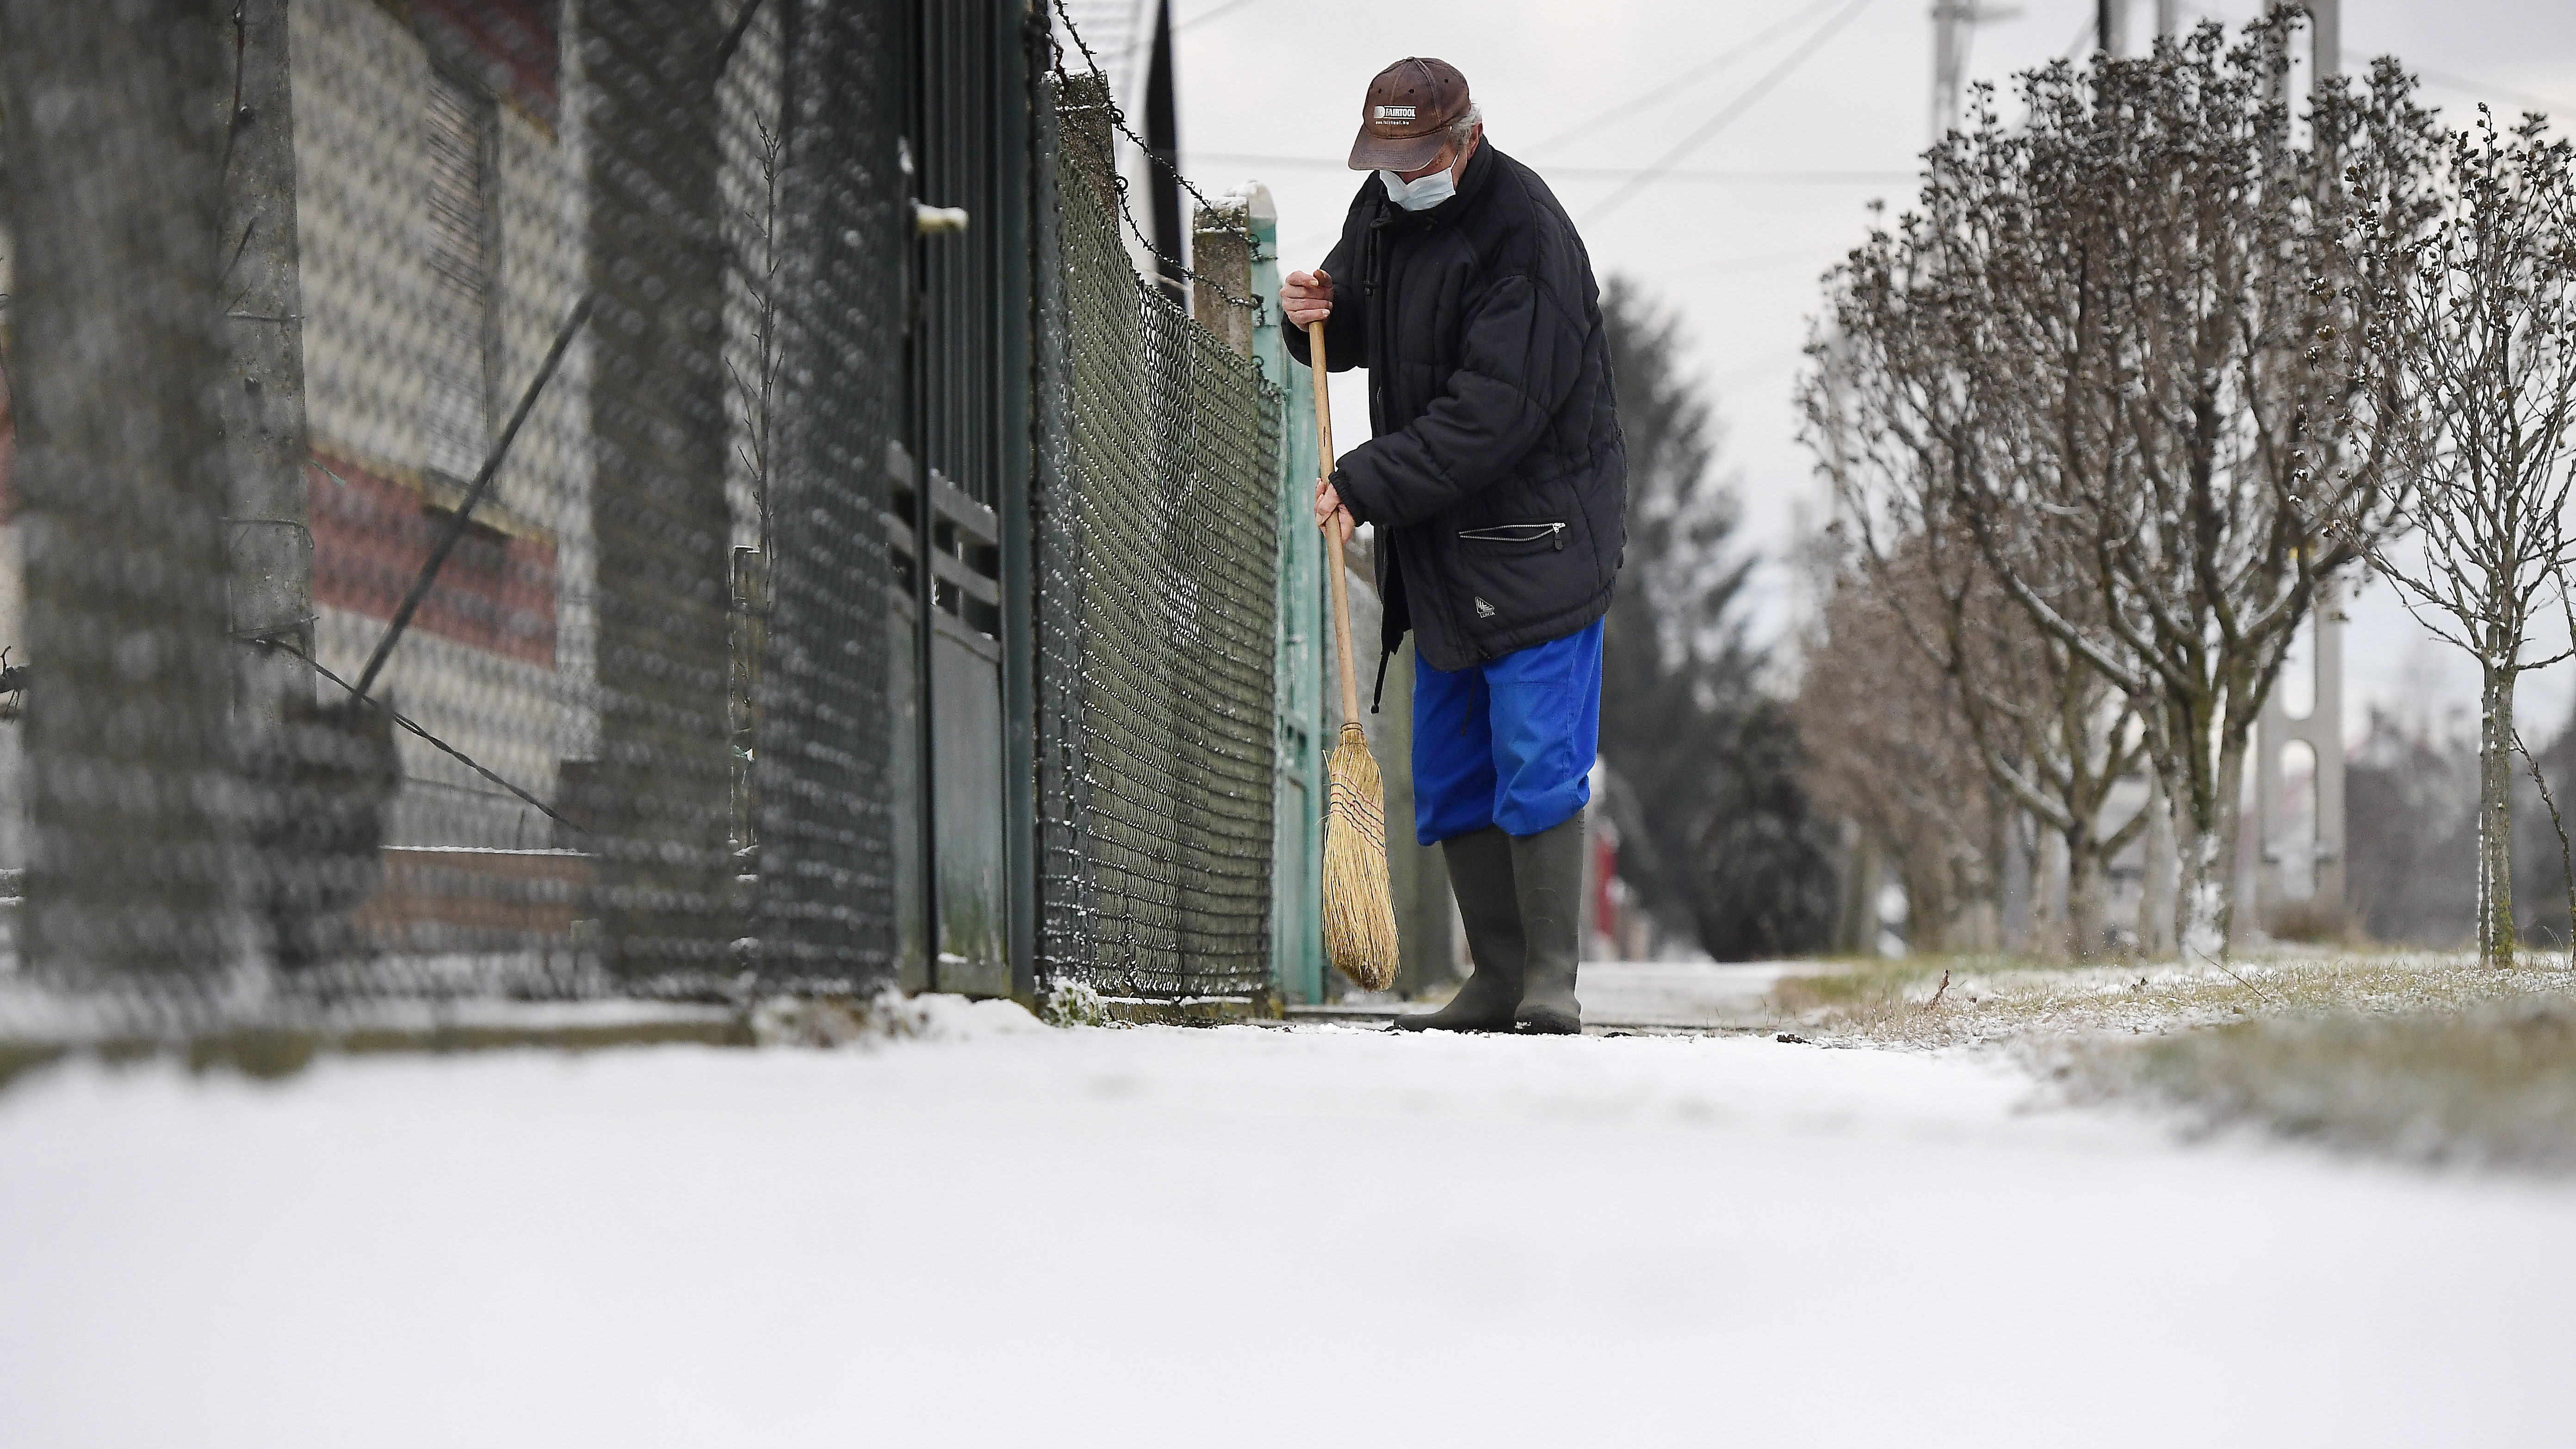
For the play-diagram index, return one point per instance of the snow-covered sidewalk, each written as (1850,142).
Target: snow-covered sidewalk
(1235,1237)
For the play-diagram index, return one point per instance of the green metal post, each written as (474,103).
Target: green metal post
(1023,197)
(1297,921)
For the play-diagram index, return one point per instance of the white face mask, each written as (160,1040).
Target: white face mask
(1421,194)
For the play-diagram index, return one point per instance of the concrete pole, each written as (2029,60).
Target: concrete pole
(1221,259)
(1084,112)
(266,529)
(2328,741)
(113,143)
(2322,729)
(2326,16)
(1954,24)
(2168,16)
(1949,20)
(660,801)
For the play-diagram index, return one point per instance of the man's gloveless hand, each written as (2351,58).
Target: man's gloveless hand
(1330,515)
(1307,296)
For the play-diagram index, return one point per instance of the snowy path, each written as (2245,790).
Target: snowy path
(1651,994)
(1235,1237)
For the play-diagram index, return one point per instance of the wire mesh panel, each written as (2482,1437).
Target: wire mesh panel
(451,444)
(1156,575)
(824,845)
(447,541)
(114,285)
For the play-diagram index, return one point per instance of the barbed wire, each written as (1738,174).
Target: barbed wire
(1118,118)
(1118,183)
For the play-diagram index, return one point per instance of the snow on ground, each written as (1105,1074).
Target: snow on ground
(1235,1237)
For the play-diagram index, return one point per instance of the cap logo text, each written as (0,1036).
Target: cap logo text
(1395,113)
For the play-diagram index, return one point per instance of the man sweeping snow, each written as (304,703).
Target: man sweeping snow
(1496,483)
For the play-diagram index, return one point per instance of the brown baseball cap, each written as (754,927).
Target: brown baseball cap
(1410,106)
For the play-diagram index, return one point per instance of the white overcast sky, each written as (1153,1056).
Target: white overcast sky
(1739,259)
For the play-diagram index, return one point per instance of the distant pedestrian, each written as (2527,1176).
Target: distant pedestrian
(1496,483)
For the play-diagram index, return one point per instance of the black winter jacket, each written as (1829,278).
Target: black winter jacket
(1497,479)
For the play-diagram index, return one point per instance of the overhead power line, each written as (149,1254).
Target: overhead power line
(1730,265)
(2460,84)
(1227,7)
(1632,105)
(1734,108)
(1201,159)
(2083,41)
(2468,87)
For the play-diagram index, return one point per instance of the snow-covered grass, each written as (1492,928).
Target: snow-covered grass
(2493,1085)
(2426,1057)
(1985,999)
(994,1234)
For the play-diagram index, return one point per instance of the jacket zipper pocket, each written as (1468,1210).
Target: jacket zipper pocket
(1552,533)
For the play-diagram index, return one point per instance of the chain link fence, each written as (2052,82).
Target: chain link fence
(466,531)
(449,452)
(1158,592)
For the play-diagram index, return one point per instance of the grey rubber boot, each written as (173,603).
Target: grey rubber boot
(1480,871)
(1547,872)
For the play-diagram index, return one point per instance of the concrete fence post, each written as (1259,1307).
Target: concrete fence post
(113,145)
(1221,259)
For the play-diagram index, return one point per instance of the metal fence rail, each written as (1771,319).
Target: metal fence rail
(1157,579)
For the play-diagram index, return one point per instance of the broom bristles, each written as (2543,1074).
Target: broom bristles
(1359,912)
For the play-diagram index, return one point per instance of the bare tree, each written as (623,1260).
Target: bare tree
(1886,749)
(2131,286)
(757,264)
(754,262)
(1893,427)
(2469,372)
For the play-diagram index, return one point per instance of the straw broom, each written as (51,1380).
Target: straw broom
(1359,912)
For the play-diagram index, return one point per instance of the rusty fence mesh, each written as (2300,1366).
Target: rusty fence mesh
(1157,580)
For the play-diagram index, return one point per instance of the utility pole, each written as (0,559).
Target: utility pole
(1954,25)
(2168,16)
(1949,61)
(2318,860)
(2325,38)
(2111,26)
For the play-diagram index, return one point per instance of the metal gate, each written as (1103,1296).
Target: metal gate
(957,516)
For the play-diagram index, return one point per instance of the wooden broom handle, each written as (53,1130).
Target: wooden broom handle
(1333,564)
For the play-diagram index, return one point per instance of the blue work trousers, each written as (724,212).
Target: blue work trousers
(1509,742)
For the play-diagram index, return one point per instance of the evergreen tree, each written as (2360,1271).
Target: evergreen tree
(1764,881)
(1719,818)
